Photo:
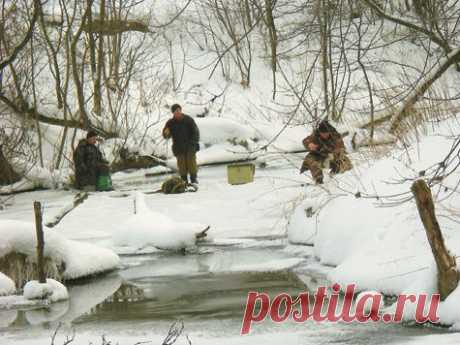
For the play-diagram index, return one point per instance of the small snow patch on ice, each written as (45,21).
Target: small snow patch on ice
(52,290)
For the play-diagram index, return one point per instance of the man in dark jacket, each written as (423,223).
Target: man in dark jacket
(326,149)
(89,163)
(186,136)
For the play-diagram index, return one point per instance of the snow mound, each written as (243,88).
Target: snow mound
(448,311)
(342,234)
(147,228)
(80,259)
(366,297)
(52,290)
(302,227)
(218,130)
(7,286)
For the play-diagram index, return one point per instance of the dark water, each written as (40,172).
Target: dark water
(207,290)
(212,296)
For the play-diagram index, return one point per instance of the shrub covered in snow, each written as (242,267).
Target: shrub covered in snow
(77,259)
(7,286)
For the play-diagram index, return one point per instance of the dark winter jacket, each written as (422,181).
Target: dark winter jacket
(185,135)
(88,162)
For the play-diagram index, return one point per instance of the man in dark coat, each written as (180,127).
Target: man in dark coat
(89,163)
(326,149)
(186,136)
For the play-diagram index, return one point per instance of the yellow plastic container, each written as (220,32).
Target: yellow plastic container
(240,173)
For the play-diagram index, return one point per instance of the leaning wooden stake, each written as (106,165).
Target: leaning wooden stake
(448,276)
(40,242)
(79,199)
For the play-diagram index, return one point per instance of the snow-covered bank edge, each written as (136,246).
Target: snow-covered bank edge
(222,141)
(68,259)
(377,247)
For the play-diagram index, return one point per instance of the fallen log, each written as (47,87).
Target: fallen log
(24,111)
(448,275)
(135,162)
(367,142)
(110,27)
(408,107)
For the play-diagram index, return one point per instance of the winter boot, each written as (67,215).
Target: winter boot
(184,178)
(193,179)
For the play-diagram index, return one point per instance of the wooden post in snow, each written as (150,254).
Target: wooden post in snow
(448,276)
(40,242)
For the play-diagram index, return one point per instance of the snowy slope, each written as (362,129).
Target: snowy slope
(377,241)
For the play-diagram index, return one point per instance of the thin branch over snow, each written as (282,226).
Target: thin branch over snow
(173,18)
(79,199)
(407,107)
(174,332)
(26,39)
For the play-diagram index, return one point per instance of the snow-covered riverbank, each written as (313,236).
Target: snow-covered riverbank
(369,244)
(375,239)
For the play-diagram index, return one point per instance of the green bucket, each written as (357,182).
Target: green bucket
(104,183)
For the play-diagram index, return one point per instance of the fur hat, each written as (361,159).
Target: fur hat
(91,134)
(324,127)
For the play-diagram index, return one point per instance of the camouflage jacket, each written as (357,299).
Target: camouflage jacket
(185,134)
(88,162)
(334,144)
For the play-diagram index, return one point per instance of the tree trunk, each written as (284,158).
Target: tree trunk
(76,78)
(99,66)
(448,275)
(7,174)
(273,35)
(322,21)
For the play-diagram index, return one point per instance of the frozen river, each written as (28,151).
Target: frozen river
(207,289)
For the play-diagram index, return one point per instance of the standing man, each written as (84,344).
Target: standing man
(326,150)
(89,163)
(186,136)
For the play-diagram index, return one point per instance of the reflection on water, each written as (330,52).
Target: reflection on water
(210,284)
(83,297)
(207,290)
(212,296)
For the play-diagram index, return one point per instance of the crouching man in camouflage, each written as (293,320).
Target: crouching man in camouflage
(326,150)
